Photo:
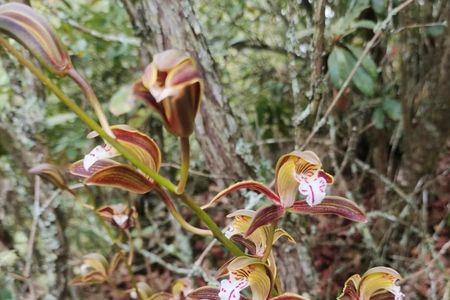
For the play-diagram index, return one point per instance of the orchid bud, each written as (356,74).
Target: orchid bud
(118,215)
(171,84)
(30,29)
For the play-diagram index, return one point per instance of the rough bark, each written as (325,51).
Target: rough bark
(164,24)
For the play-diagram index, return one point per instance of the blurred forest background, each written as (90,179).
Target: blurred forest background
(275,79)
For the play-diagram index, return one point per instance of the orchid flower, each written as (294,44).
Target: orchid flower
(171,85)
(118,215)
(376,283)
(96,269)
(98,168)
(243,272)
(257,241)
(299,172)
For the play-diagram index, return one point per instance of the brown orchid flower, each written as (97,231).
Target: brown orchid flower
(172,86)
(297,172)
(377,283)
(242,272)
(52,174)
(99,169)
(30,29)
(96,269)
(179,290)
(118,215)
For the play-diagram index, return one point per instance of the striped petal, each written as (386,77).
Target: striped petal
(288,296)
(78,169)
(249,184)
(121,176)
(50,173)
(30,29)
(264,216)
(205,293)
(334,205)
(380,280)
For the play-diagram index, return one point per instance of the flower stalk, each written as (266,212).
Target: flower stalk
(161,180)
(184,170)
(92,98)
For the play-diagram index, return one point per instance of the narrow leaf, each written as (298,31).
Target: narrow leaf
(332,205)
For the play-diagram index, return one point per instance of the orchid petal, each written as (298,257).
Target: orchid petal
(264,216)
(121,176)
(260,283)
(51,173)
(77,168)
(166,60)
(98,153)
(279,233)
(350,290)
(380,280)
(249,184)
(332,205)
(286,183)
(231,288)
(140,144)
(288,296)
(97,262)
(205,293)
(313,187)
(161,296)
(33,31)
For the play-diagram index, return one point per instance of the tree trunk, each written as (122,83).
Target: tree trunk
(164,24)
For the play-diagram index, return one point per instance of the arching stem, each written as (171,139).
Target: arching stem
(161,180)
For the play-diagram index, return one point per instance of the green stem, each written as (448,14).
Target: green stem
(184,172)
(269,242)
(161,180)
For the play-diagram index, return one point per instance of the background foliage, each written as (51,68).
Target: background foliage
(385,140)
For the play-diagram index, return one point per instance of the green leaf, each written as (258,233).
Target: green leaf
(393,109)
(122,102)
(5,294)
(436,30)
(380,6)
(378,118)
(368,63)
(340,64)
